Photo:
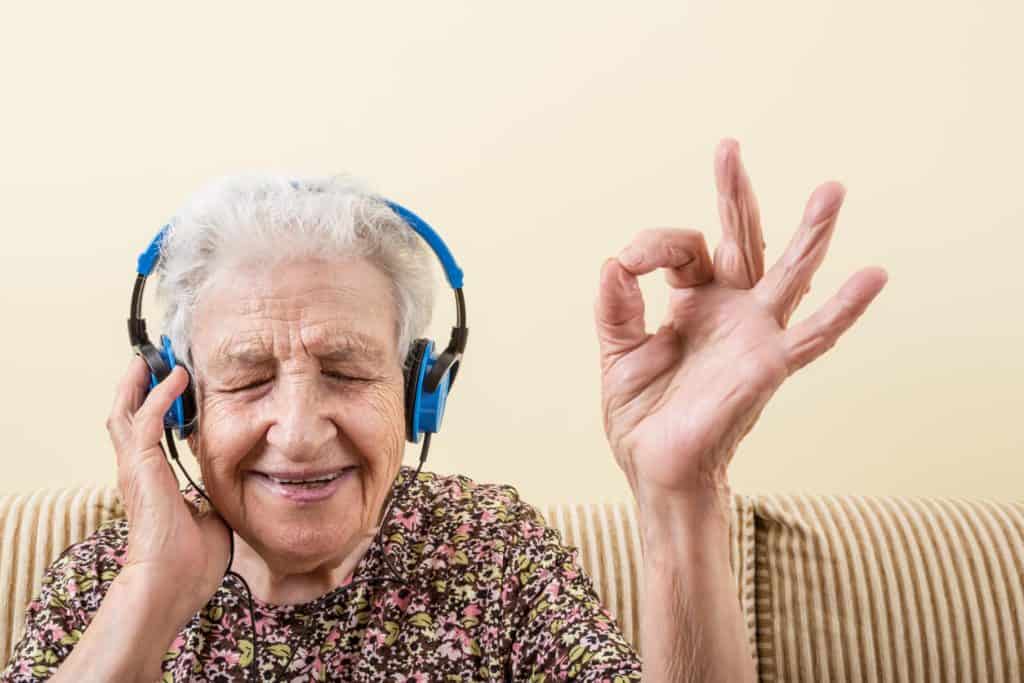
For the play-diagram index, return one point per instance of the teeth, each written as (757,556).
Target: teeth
(305,481)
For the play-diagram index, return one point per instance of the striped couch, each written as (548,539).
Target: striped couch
(834,588)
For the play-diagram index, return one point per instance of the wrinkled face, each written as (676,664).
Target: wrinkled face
(298,381)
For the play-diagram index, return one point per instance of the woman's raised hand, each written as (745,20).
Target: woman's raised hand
(677,402)
(172,548)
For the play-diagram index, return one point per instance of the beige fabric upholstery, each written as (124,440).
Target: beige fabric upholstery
(889,590)
(34,530)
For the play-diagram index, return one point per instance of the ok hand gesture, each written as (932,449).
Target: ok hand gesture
(677,402)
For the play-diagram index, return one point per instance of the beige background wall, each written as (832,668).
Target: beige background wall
(538,138)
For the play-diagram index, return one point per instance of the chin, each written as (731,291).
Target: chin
(297,548)
(301,529)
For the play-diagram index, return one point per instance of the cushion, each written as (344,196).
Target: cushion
(895,589)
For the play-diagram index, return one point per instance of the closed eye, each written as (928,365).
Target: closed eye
(249,386)
(343,378)
(336,376)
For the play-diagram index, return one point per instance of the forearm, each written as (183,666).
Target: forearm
(127,638)
(692,626)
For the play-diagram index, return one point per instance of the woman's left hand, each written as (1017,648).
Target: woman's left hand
(676,403)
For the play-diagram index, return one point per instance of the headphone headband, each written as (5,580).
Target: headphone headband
(149,258)
(451,269)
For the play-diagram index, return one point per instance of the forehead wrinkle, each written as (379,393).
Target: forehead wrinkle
(330,339)
(336,347)
(344,345)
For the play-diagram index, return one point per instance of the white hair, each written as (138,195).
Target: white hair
(265,218)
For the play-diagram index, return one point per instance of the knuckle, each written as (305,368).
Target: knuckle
(679,255)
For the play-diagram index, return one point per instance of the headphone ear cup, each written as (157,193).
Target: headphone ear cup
(157,364)
(414,371)
(181,416)
(189,413)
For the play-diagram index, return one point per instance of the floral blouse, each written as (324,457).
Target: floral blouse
(486,591)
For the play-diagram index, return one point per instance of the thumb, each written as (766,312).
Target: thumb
(618,311)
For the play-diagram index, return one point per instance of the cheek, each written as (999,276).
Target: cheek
(375,423)
(224,441)
(375,426)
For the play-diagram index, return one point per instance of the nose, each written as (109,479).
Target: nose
(302,426)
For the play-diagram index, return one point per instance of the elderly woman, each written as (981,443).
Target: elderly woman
(291,306)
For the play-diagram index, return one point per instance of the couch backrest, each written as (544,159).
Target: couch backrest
(854,588)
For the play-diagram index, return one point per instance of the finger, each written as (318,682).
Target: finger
(819,332)
(739,257)
(618,311)
(148,423)
(128,396)
(683,253)
(782,287)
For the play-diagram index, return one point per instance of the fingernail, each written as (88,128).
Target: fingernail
(822,206)
(631,257)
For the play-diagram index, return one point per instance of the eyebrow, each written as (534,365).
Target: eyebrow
(349,346)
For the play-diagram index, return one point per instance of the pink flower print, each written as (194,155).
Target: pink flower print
(415,677)
(529,530)
(448,626)
(435,562)
(450,650)
(472,610)
(399,598)
(410,520)
(228,655)
(464,640)
(54,632)
(487,516)
(375,637)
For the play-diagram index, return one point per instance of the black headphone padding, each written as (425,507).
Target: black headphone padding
(411,370)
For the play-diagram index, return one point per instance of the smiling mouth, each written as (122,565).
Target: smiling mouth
(307,483)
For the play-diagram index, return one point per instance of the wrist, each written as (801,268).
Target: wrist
(161,605)
(128,636)
(674,526)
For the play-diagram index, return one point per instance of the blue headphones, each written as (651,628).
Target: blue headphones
(428,375)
